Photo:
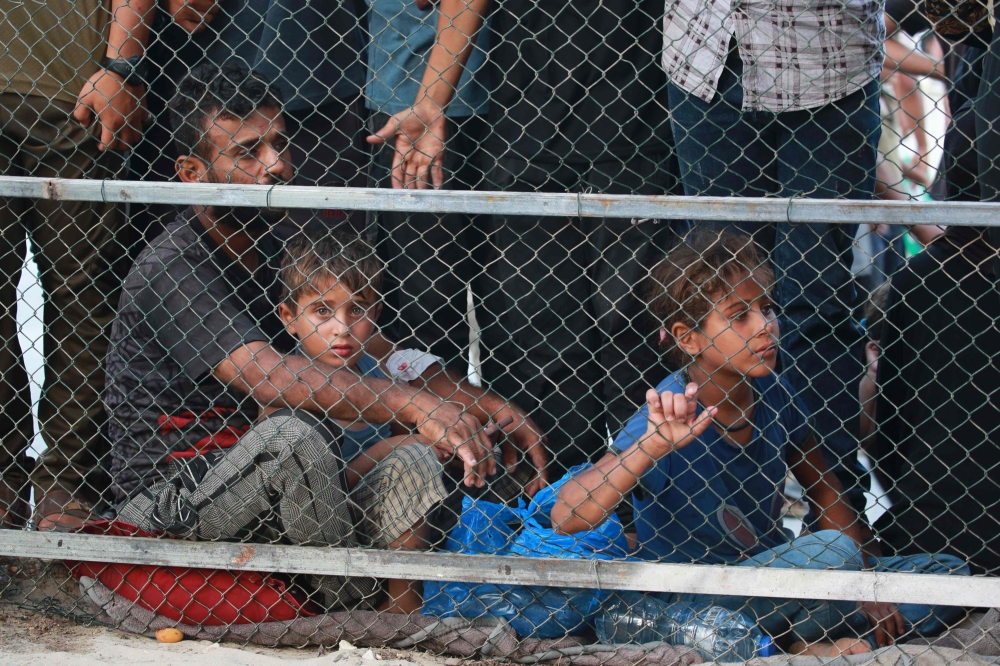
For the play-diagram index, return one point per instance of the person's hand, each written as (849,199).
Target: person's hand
(872,355)
(673,421)
(919,173)
(420,137)
(192,15)
(524,437)
(118,107)
(449,425)
(885,619)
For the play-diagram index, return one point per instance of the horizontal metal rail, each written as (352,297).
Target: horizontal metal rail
(635,208)
(617,575)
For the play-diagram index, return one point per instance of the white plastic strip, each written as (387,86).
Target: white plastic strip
(631,209)
(643,576)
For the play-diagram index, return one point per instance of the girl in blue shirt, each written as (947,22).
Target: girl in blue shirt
(706,459)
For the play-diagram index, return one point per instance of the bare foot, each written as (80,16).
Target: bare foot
(403,597)
(58,511)
(838,648)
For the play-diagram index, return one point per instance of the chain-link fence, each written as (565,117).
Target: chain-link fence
(515,330)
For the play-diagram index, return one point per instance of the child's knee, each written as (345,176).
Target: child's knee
(414,468)
(940,563)
(834,550)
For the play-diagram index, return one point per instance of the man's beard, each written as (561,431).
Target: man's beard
(247,218)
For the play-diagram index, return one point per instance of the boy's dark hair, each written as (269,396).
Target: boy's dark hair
(874,311)
(704,266)
(209,91)
(314,262)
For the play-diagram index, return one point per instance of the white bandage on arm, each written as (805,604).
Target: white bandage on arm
(405,365)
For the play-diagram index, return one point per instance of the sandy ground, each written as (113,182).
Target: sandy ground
(28,637)
(32,632)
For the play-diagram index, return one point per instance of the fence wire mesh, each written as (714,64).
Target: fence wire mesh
(515,368)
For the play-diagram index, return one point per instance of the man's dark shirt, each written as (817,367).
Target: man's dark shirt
(185,306)
(576,81)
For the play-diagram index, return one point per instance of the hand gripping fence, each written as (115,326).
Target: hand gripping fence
(604,332)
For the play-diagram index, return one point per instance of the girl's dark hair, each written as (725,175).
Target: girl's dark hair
(314,263)
(684,286)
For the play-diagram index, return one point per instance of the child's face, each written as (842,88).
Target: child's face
(740,334)
(332,326)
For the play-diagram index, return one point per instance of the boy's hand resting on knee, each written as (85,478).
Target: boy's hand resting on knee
(673,421)
(450,425)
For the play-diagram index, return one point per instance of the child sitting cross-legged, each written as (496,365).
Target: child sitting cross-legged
(706,457)
(330,304)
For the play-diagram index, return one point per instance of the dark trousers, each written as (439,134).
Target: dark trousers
(78,251)
(565,335)
(827,152)
(433,258)
(328,149)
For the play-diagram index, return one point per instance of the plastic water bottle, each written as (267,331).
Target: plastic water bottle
(715,632)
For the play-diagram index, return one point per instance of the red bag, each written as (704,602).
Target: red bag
(208,597)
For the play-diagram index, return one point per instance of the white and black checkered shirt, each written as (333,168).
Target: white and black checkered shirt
(797,54)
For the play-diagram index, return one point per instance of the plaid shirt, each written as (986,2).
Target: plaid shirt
(797,54)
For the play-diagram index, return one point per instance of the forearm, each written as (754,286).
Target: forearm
(458,23)
(481,403)
(128,32)
(587,499)
(827,496)
(899,57)
(275,379)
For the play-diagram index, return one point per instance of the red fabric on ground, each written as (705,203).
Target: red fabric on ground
(209,597)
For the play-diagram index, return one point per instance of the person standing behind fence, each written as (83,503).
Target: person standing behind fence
(784,101)
(937,409)
(313,52)
(573,108)
(50,50)
(432,258)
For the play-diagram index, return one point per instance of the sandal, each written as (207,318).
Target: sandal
(59,511)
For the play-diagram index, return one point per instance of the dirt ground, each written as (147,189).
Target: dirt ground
(29,637)
(43,621)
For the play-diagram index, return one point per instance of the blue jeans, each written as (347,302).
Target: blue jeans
(813,620)
(826,153)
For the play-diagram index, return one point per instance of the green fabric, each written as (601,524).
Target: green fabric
(51,48)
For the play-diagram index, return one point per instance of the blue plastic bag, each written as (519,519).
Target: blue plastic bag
(533,611)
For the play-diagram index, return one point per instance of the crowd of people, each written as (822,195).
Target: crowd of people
(227,372)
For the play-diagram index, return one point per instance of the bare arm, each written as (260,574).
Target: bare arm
(459,22)
(826,495)
(420,130)
(486,406)
(193,15)
(899,57)
(522,432)
(587,499)
(118,106)
(273,378)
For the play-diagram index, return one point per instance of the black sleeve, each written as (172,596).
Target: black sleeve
(194,315)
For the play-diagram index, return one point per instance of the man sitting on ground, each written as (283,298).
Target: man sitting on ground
(196,351)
